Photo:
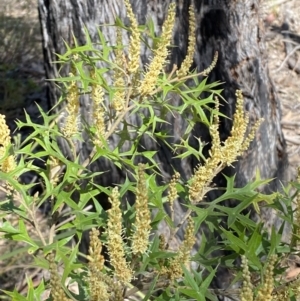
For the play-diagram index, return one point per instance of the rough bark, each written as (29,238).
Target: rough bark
(231,27)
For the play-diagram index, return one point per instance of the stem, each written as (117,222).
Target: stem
(110,132)
(174,231)
(34,221)
(176,79)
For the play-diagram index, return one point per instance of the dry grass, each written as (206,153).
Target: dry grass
(21,67)
(16,264)
(20,57)
(287,81)
(19,32)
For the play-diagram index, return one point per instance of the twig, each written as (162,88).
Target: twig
(287,58)
(174,231)
(292,140)
(295,152)
(292,123)
(32,214)
(279,2)
(111,131)
(72,217)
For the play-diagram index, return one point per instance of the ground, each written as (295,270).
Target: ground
(22,80)
(286,79)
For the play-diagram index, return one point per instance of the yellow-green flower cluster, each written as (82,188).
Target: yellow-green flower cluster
(119,97)
(57,292)
(188,243)
(114,239)
(212,65)
(140,238)
(283,293)
(118,102)
(205,173)
(134,46)
(161,54)
(98,110)
(174,270)
(222,155)
(200,182)
(71,124)
(247,288)
(9,164)
(95,249)
(98,287)
(55,166)
(172,194)
(162,242)
(236,143)
(187,63)
(265,291)
(105,287)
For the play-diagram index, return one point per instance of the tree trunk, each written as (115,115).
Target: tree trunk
(231,27)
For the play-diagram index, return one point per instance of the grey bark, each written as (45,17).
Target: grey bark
(231,27)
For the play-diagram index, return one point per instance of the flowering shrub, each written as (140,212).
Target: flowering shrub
(126,256)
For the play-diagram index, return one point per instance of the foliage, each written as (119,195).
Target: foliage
(20,51)
(127,257)
(18,30)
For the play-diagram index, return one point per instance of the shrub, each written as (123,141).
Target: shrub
(139,261)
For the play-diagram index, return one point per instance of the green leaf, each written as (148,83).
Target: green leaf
(200,218)
(207,281)
(150,290)
(235,243)
(13,253)
(189,281)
